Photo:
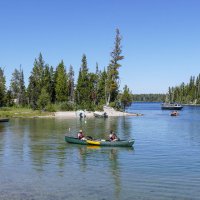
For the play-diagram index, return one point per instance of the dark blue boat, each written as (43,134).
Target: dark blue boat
(171,106)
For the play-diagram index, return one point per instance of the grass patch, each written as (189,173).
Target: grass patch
(12,112)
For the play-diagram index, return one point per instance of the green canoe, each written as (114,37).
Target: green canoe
(120,143)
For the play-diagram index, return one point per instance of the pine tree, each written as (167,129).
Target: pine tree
(71,83)
(82,92)
(2,88)
(78,88)
(101,93)
(14,85)
(170,95)
(36,81)
(43,99)
(126,98)
(17,87)
(198,89)
(22,90)
(92,90)
(9,98)
(112,83)
(61,83)
(48,82)
(96,78)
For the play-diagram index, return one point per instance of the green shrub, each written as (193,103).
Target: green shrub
(99,108)
(112,104)
(65,106)
(51,108)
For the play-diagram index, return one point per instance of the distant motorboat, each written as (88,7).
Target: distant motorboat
(171,106)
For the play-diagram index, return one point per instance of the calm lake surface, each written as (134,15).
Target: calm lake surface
(37,164)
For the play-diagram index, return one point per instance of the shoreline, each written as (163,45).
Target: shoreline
(109,111)
(191,105)
(90,114)
(65,114)
(28,113)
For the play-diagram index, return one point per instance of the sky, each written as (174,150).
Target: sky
(160,45)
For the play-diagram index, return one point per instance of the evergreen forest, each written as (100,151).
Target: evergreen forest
(52,88)
(186,93)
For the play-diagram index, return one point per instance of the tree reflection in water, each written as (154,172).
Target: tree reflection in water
(87,154)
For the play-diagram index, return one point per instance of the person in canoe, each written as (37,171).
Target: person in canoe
(81,135)
(174,113)
(113,136)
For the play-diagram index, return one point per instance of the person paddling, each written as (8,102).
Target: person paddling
(113,136)
(81,135)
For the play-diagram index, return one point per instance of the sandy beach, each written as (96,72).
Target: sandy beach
(109,111)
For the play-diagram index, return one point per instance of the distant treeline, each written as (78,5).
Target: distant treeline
(187,93)
(149,97)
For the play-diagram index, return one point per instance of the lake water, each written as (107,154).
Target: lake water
(37,164)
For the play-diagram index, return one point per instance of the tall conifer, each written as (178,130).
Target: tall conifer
(82,87)
(112,83)
(36,81)
(17,87)
(2,88)
(61,83)
(71,83)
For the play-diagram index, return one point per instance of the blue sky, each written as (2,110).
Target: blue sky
(161,38)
